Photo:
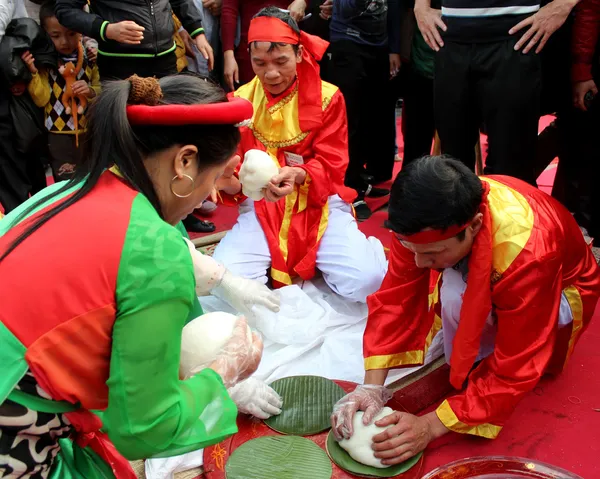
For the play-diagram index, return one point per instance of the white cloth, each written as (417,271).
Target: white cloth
(452,291)
(316,332)
(9,10)
(352,264)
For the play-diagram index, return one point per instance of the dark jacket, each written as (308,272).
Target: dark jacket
(153,15)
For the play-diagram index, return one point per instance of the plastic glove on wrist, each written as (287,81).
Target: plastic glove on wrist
(240,357)
(242,294)
(254,397)
(208,272)
(369,398)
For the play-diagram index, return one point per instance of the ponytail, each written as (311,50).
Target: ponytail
(111,140)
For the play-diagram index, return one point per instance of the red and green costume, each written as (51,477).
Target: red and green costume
(93,306)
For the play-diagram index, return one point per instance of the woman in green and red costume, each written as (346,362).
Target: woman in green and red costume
(97,285)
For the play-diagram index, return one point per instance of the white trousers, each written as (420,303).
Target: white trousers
(452,291)
(352,265)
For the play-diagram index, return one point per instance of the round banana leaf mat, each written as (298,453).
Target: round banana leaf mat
(343,460)
(279,457)
(307,405)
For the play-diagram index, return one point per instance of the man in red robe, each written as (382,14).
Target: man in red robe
(518,286)
(305,221)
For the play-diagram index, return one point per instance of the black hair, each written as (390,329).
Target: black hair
(47,11)
(285,17)
(433,192)
(111,140)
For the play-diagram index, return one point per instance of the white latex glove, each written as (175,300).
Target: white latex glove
(242,294)
(254,397)
(207,270)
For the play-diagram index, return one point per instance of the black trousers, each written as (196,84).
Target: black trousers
(362,74)
(418,121)
(20,174)
(120,68)
(489,83)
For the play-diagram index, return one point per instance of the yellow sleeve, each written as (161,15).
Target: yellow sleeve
(95,83)
(39,89)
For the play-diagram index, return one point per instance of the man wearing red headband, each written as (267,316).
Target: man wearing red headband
(305,222)
(518,286)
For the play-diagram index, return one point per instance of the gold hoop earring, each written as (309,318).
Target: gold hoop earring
(191,191)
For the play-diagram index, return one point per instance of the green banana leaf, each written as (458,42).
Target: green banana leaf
(279,457)
(307,405)
(343,460)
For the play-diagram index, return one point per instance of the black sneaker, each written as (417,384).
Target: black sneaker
(373,192)
(196,225)
(361,209)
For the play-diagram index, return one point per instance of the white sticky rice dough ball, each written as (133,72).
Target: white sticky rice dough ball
(202,340)
(257,170)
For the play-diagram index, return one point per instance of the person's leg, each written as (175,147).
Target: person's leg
(418,125)
(456,115)
(352,265)
(64,156)
(347,72)
(14,183)
(244,250)
(378,134)
(509,87)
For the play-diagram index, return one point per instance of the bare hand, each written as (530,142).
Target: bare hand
(297,9)
(126,32)
(27,57)
(92,54)
(407,436)
(213,6)
(205,50)
(227,182)
(326,10)
(395,64)
(81,88)
(188,43)
(429,20)
(580,89)
(283,183)
(542,25)
(231,70)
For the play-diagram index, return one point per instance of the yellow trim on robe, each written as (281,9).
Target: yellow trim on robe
(303,197)
(449,419)
(512,224)
(324,221)
(281,276)
(574,300)
(389,361)
(290,202)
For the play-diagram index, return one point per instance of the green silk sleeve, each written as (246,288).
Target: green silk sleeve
(151,413)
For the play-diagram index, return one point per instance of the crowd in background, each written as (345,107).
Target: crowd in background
(454,68)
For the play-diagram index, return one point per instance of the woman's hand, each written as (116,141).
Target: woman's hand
(231,70)
(205,50)
(127,32)
(27,57)
(240,357)
(228,182)
(326,9)
(254,397)
(395,64)
(213,6)
(429,21)
(188,43)
(406,436)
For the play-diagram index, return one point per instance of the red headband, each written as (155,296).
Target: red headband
(433,236)
(271,29)
(310,101)
(232,112)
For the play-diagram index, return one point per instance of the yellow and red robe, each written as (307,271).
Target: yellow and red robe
(538,254)
(294,226)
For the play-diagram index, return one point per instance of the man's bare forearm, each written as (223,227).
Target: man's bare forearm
(376,376)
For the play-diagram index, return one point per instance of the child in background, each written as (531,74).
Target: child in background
(47,88)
